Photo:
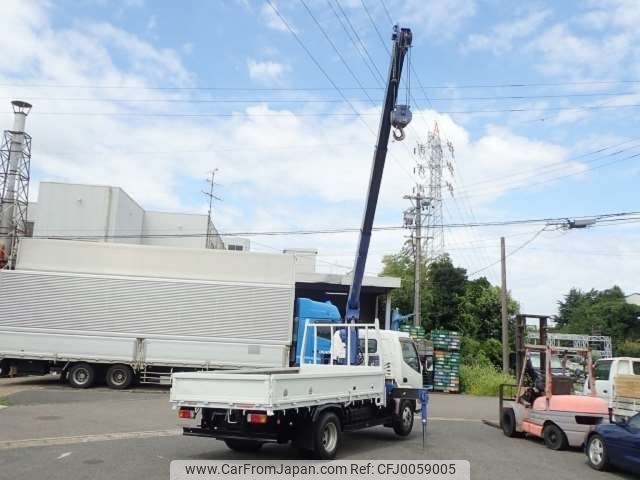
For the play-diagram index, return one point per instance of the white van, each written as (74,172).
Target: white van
(607,369)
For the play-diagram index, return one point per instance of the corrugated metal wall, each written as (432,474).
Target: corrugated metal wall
(142,307)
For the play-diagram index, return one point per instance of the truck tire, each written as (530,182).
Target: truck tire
(509,423)
(403,421)
(81,375)
(327,436)
(119,376)
(246,446)
(554,437)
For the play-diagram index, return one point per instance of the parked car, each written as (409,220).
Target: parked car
(615,444)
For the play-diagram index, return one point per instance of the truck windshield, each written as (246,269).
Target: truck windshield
(602,369)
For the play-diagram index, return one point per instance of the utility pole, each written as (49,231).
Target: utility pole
(418,262)
(503,298)
(212,197)
(413,219)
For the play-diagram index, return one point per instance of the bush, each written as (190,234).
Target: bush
(482,379)
(474,352)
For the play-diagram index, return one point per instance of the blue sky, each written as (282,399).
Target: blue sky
(147,95)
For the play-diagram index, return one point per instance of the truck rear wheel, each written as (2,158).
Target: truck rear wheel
(327,435)
(81,375)
(243,445)
(403,421)
(119,376)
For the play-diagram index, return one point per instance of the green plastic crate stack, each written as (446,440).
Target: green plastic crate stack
(446,347)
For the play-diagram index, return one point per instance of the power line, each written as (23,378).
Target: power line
(513,252)
(324,72)
(451,86)
(548,180)
(355,113)
(562,163)
(603,217)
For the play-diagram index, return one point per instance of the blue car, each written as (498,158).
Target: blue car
(616,445)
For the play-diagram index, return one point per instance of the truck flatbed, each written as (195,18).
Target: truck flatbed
(272,390)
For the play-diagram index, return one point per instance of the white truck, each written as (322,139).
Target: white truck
(309,406)
(115,312)
(617,380)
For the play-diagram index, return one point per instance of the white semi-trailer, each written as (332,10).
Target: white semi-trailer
(115,312)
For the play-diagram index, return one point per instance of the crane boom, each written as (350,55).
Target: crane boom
(393,115)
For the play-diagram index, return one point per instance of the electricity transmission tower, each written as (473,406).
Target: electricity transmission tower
(424,217)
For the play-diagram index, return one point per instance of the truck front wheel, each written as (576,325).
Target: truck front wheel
(327,436)
(403,421)
(81,375)
(246,446)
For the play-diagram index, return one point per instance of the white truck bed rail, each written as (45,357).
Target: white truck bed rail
(270,390)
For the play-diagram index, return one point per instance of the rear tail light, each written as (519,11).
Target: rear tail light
(187,412)
(260,418)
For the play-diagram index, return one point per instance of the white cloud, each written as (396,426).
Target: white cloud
(436,18)
(272,20)
(266,71)
(502,36)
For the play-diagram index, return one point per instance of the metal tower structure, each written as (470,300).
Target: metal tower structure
(211,197)
(424,217)
(435,159)
(15,165)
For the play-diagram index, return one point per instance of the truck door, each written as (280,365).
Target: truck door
(603,378)
(411,372)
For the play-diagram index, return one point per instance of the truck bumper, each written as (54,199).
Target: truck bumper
(229,435)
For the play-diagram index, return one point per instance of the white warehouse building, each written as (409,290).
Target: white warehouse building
(103,213)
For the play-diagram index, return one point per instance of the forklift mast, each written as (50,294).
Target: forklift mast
(398,117)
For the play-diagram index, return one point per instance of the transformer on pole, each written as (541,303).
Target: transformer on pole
(15,163)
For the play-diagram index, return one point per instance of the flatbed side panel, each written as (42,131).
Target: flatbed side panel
(324,385)
(213,354)
(53,347)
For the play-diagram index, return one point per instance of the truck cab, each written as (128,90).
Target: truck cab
(606,370)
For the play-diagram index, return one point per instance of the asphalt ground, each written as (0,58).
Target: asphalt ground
(52,431)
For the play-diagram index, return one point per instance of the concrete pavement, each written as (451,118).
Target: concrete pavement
(52,431)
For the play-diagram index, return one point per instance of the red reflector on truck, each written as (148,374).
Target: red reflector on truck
(256,418)
(186,412)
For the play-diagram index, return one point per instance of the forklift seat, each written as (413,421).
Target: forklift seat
(561,385)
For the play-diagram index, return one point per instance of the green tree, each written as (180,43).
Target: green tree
(606,311)
(446,287)
(481,309)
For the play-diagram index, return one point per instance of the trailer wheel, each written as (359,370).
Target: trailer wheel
(327,435)
(403,422)
(119,376)
(554,437)
(509,423)
(81,375)
(246,446)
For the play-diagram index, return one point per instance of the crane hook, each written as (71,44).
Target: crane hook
(398,134)
(400,118)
